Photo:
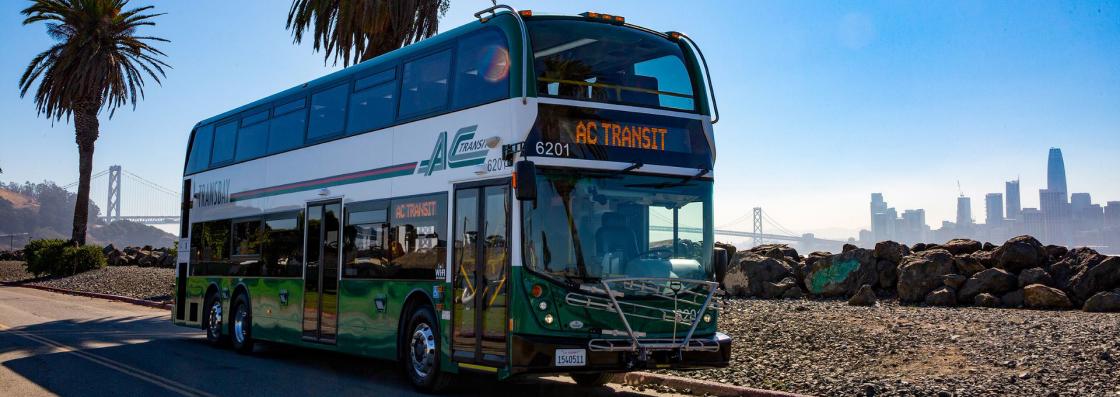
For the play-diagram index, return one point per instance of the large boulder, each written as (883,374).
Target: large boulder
(986,300)
(962,246)
(1107,301)
(1091,280)
(749,272)
(891,251)
(919,274)
(776,290)
(992,281)
(1074,262)
(1035,275)
(864,297)
(1055,253)
(968,264)
(777,251)
(1011,299)
(888,274)
(954,281)
(943,296)
(1018,253)
(841,274)
(1038,296)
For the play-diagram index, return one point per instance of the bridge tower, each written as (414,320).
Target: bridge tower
(757,226)
(113,204)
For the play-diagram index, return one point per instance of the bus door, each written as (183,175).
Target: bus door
(320,272)
(481,260)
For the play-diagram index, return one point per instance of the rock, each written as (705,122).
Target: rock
(962,246)
(1038,296)
(1093,279)
(1107,301)
(993,281)
(1035,275)
(954,281)
(792,293)
(920,273)
(986,300)
(777,290)
(891,251)
(864,297)
(988,246)
(986,258)
(888,274)
(841,274)
(108,248)
(943,296)
(777,251)
(1055,253)
(749,273)
(1018,253)
(1075,261)
(919,247)
(968,265)
(848,247)
(1011,299)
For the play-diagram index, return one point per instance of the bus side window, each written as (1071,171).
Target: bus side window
(287,125)
(418,240)
(225,136)
(481,69)
(424,86)
(252,138)
(373,102)
(328,113)
(282,250)
(200,149)
(365,244)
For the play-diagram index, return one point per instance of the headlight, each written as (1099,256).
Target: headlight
(707,318)
(548,319)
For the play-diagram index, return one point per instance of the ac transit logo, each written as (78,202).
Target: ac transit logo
(464,151)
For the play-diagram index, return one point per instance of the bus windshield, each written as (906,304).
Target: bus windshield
(609,63)
(586,227)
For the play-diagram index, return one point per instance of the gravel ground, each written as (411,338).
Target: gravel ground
(829,348)
(13,271)
(136,282)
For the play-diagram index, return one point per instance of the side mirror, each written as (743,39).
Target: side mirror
(525,180)
(720,261)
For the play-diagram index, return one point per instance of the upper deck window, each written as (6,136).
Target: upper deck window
(328,113)
(199,157)
(424,87)
(609,63)
(225,136)
(481,68)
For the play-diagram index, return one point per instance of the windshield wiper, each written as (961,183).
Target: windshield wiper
(633,166)
(681,182)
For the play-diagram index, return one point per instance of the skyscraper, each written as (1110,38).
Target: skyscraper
(1055,215)
(1014,205)
(964,212)
(1056,174)
(993,207)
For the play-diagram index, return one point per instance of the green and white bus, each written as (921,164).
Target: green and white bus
(523,194)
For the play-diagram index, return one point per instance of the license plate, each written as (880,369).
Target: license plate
(571,357)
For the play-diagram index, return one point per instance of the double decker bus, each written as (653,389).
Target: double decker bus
(523,194)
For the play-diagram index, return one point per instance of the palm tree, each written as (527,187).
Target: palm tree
(98,62)
(357,30)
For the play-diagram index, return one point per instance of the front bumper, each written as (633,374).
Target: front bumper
(535,354)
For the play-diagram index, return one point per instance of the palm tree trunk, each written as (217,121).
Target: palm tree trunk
(85,134)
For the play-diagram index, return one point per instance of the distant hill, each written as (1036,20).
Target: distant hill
(46,210)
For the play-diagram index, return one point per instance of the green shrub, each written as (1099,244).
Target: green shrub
(80,259)
(43,256)
(58,258)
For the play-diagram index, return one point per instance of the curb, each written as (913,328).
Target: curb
(117,298)
(696,386)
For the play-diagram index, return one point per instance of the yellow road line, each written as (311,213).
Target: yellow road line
(112,364)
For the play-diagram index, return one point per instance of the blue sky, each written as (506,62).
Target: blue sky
(823,102)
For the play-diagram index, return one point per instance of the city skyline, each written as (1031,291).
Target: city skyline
(1061,217)
(821,104)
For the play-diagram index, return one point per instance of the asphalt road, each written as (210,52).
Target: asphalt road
(54,344)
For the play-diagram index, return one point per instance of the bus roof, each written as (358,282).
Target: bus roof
(370,65)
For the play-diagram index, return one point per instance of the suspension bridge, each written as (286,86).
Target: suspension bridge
(123,195)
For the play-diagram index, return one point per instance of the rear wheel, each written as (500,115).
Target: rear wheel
(241,325)
(212,321)
(592,379)
(420,353)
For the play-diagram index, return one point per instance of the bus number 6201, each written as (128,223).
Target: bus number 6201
(554,149)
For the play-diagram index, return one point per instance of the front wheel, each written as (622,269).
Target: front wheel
(591,379)
(241,326)
(421,352)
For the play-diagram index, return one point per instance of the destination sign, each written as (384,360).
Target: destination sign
(613,135)
(420,209)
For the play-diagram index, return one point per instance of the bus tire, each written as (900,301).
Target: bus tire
(591,379)
(420,352)
(212,321)
(241,325)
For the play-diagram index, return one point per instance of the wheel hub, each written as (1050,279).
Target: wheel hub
(423,350)
(215,318)
(239,324)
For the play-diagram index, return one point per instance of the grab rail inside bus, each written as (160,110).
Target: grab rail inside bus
(707,74)
(524,43)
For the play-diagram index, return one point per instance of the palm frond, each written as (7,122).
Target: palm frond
(354,31)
